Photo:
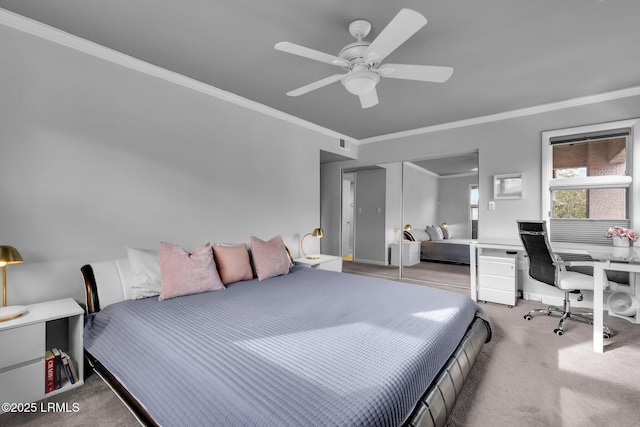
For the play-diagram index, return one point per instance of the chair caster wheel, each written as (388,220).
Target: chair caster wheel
(528,317)
(558,332)
(606,336)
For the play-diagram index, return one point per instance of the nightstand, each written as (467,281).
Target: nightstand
(23,342)
(325,262)
(410,253)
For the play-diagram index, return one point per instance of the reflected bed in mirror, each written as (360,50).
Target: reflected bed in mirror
(441,194)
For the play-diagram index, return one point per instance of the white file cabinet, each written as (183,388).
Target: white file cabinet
(410,253)
(498,277)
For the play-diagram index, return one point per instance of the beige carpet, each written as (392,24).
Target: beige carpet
(97,406)
(526,376)
(431,272)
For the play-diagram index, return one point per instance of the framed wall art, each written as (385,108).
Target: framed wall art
(508,186)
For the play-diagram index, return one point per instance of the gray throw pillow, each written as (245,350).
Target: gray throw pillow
(435,233)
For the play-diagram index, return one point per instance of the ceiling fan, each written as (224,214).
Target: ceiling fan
(362,60)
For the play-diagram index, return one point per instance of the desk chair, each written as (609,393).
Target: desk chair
(548,268)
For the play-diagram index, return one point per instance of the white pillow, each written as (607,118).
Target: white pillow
(419,235)
(145,270)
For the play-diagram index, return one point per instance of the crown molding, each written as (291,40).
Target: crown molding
(459,175)
(435,175)
(55,35)
(522,112)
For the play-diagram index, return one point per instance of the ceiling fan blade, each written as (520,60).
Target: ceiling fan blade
(405,24)
(369,99)
(315,85)
(306,52)
(423,73)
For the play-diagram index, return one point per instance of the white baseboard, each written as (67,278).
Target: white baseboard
(559,301)
(368,261)
(545,299)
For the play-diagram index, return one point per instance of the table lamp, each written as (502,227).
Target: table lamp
(9,255)
(316,233)
(407,227)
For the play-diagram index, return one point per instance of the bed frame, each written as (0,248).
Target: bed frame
(447,251)
(433,409)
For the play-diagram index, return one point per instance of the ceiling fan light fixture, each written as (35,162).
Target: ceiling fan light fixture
(361,82)
(362,60)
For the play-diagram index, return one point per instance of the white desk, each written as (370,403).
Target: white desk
(599,279)
(605,258)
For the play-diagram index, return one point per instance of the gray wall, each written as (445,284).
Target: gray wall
(393,204)
(330,219)
(453,204)
(370,201)
(420,199)
(96,157)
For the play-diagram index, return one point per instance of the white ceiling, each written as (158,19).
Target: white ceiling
(507,54)
(456,165)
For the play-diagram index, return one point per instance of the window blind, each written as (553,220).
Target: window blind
(588,231)
(591,136)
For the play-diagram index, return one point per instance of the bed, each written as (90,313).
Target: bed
(437,245)
(311,347)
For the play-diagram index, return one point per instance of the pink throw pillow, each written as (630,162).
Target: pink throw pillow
(185,273)
(269,258)
(233,263)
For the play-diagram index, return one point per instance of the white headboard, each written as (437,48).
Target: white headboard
(106,282)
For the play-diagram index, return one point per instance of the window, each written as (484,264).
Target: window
(587,173)
(573,162)
(474,194)
(585,203)
(473,206)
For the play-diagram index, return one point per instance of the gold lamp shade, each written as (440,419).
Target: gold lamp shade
(319,233)
(8,255)
(407,227)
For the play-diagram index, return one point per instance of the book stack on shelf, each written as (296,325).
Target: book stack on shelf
(58,365)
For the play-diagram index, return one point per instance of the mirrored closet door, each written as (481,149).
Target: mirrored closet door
(439,218)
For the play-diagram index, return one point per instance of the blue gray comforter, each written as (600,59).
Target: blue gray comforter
(311,348)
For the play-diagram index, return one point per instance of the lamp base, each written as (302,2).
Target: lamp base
(313,256)
(11,312)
